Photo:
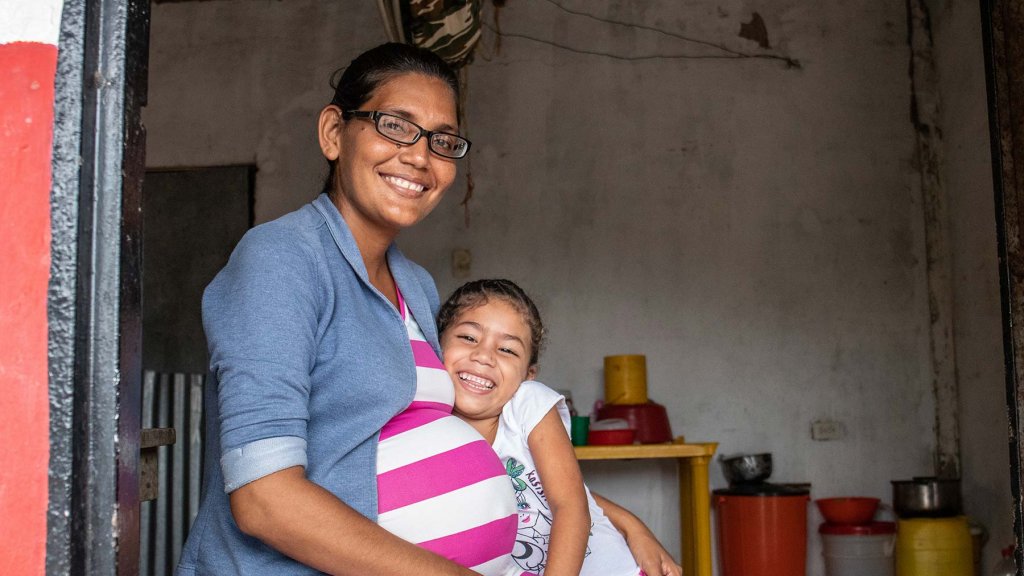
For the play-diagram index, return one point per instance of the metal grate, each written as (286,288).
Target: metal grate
(172,400)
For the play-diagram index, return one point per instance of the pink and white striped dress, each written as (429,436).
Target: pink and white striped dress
(439,483)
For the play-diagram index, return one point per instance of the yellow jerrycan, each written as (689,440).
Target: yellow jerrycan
(934,547)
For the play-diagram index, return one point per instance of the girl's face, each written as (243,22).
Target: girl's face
(487,354)
(385,187)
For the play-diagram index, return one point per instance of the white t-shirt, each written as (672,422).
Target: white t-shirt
(607,553)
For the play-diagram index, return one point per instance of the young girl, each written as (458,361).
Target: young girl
(490,335)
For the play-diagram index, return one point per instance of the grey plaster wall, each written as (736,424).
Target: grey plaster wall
(754,229)
(978,329)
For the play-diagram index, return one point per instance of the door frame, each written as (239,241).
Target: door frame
(93,308)
(1003,36)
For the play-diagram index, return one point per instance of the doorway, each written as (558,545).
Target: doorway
(193,218)
(100,437)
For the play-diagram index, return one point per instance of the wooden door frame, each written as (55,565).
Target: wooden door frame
(1003,33)
(93,308)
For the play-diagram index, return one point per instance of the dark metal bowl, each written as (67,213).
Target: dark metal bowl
(926,497)
(747,469)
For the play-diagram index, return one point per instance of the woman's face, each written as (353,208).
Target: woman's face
(487,354)
(385,187)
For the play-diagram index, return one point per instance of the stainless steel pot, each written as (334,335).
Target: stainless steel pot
(747,469)
(926,497)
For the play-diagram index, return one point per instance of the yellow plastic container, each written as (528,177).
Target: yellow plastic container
(625,379)
(934,547)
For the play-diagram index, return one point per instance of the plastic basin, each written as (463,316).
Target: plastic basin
(848,510)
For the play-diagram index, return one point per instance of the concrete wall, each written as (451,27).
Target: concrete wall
(754,229)
(28,62)
(978,330)
(241,82)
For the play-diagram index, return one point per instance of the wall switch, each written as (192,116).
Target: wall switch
(462,261)
(824,430)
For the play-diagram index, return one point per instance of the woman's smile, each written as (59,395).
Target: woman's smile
(405,185)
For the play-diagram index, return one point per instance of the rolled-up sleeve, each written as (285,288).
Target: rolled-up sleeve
(260,318)
(261,458)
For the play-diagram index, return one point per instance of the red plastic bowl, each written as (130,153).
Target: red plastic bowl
(852,510)
(611,437)
(650,420)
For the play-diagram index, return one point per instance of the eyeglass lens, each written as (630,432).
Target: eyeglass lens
(401,130)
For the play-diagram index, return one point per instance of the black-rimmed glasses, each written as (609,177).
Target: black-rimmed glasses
(400,130)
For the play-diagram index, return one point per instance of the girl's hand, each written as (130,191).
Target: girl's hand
(649,554)
(652,558)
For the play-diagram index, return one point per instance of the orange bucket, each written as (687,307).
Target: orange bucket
(762,534)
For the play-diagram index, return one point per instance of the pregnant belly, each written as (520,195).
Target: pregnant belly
(441,486)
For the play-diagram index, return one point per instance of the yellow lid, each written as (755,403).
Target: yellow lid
(625,379)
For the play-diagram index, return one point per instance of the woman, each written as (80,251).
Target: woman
(311,356)
(329,445)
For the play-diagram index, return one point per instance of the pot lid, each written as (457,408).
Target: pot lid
(869,529)
(926,480)
(762,489)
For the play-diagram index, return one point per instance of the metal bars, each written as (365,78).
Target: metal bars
(172,400)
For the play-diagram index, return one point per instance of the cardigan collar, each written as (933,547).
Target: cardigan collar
(401,268)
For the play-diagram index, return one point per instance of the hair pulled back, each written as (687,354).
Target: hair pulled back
(378,65)
(479,292)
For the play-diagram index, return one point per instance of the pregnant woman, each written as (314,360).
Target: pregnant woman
(331,444)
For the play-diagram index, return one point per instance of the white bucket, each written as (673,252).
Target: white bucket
(859,555)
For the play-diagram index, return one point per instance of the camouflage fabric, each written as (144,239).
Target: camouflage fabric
(449,28)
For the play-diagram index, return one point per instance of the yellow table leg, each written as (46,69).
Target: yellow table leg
(695,515)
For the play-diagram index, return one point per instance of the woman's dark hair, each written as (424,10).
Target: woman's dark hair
(479,292)
(378,65)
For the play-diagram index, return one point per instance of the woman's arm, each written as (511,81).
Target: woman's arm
(309,524)
(647,551)
(563,486)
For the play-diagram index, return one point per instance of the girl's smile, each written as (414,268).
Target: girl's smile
(475,382)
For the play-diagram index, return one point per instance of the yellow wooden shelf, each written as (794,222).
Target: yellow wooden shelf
(637,451)
(694,492)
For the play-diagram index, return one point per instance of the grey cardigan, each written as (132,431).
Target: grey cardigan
(302,346)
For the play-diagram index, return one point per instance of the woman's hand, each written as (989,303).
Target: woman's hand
(309,524)
(649,554)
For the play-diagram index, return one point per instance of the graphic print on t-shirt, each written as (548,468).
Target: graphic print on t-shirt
(534,532)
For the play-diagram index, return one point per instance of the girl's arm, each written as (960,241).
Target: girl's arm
(647,551)
(563,485)
(300,519)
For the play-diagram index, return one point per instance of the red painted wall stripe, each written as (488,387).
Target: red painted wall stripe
(27,71)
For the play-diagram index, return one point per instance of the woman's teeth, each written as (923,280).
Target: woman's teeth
(476,381)
(403,183)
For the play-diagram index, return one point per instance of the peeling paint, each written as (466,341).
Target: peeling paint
(755,30)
